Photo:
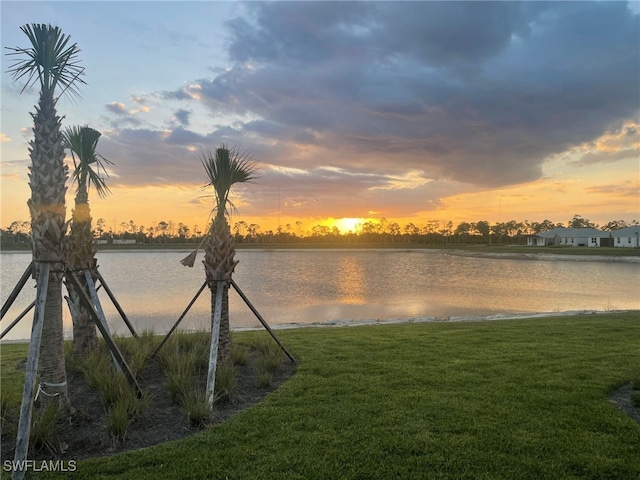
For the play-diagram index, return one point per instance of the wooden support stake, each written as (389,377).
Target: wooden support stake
(15,322)
(175,325)
(21,316)
(16,290)
(115,352)
(98,308)
(116,304)
(262,320)
(215,336)
(26,408)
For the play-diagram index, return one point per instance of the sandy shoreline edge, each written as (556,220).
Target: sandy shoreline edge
(452,319)
(545,256)
(393,321)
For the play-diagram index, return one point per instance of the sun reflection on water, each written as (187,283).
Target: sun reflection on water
(351,281)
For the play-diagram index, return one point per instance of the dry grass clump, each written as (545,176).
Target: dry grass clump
(270,357)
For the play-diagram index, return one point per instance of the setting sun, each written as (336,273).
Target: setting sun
(346,224)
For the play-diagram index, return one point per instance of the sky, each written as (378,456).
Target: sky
(412,111)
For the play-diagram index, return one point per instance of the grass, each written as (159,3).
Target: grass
(226,383)
(523,399)
(118,398)
(137,350)
(271,355)
(197,407)
(270,358)
(118,421)
(12,356)
(185,358)
(44,424)
(266,366)
(513,399)
(12,382)
(239,353)
(180,372)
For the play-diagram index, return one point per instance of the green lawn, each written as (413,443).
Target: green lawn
(513,399)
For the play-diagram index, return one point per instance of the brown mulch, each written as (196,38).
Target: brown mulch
(86,434)
(621,399)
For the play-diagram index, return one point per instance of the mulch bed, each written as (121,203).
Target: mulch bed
(621,399)
(86,435)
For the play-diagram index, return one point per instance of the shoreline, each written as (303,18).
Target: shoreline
(396,321)
(450,319)
(519,252)
(545,256)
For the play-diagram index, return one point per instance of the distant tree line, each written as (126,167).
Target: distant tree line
(380,231)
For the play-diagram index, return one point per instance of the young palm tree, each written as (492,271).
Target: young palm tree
(51,62)
(89,169)
(224,169)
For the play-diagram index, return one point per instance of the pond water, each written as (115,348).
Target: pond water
(316,286)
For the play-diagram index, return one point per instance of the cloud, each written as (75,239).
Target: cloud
(179,94)
(344,193)
(614,145)
(181,136)
(117,107)
(143,101)
(4,138)
(628,189)
(126,117)
(182,116)
(148,157)
(476,92)
(591,158)
(392,106)
(155,157)
(625,137)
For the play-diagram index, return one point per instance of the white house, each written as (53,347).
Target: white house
(117,241)
(626,237)
(536,241)
(571,237)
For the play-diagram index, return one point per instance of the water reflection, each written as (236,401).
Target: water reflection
(350,279)
(305,286)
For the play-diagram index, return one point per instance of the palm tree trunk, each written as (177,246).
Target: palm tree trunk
(81,251)
(224,340)
(53,377)
(220,261)
(85,337)
(47,179)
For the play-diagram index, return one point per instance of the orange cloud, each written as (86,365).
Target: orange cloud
(117,107)
(625,138)
(626,189)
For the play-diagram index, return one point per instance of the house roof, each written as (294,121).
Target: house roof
(626,232)
(573,233)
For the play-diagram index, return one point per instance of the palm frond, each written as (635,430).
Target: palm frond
(190,259)
(224,169)
(50,60)
(89,166)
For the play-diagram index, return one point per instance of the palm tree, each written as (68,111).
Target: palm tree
(224,169)
(89,169)
(51,62)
